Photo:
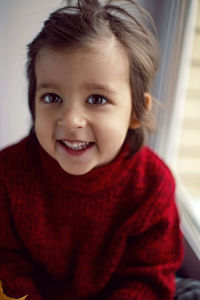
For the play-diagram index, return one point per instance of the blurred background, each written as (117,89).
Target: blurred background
(177,87)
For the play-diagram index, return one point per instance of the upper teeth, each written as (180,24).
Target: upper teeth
(76,145)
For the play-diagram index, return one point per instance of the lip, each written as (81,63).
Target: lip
(73,141)
(75,152)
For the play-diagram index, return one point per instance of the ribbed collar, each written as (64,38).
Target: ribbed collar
(98,179)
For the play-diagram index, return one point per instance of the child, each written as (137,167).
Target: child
(86,211)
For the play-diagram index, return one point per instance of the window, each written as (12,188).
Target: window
(188,156)
(177,139)
(188,160)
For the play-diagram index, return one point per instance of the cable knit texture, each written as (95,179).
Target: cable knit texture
(112,233)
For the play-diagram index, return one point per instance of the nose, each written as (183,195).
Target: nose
(72,117)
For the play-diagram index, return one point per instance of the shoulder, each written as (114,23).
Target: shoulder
(14,148)
(152,171)
(17,157)
(14,151)
(153,162)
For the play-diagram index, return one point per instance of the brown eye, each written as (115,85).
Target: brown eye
(96,99)
(51,98)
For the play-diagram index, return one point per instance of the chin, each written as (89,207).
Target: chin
(76,171)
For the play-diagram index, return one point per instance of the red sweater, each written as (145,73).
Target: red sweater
(112,233)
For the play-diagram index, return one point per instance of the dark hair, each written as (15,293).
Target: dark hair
(77,25)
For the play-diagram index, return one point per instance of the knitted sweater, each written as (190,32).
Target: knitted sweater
(112,233)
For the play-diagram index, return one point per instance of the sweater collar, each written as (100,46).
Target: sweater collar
(96,180)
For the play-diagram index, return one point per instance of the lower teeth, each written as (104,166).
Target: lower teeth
(78,148)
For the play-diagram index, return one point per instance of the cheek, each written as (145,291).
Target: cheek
(40,130)
(44,133)
(110,138)
(43,129)
(43,121)
(39,124)
(112,131)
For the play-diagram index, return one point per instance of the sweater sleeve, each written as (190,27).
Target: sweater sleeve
(15,266)
(153,249)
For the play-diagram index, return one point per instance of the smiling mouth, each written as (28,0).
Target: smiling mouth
(76,145)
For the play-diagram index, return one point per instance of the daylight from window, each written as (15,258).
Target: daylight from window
(189,152)
(188,160)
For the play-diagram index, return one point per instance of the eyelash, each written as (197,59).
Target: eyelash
(99,97)
(55,99)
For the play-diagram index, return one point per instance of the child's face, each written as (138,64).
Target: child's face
(83,104)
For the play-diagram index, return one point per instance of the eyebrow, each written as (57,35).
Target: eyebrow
(44,85)
(85,86)
(99,87)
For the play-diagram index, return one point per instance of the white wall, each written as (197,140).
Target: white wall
(20,21)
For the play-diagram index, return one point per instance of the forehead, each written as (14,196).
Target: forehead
(100,59)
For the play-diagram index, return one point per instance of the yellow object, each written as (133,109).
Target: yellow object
(4,297)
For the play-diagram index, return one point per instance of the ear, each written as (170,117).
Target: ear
(148,100)
(134,123)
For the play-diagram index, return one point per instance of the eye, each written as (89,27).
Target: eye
(51,98)
(97,99)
